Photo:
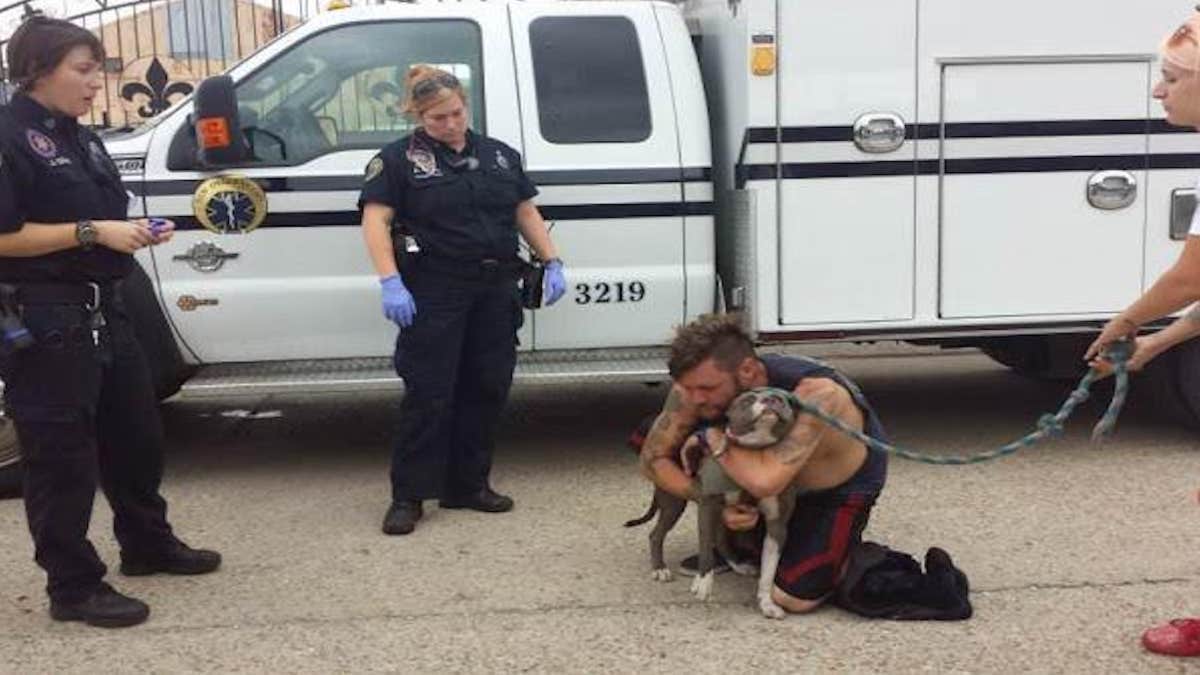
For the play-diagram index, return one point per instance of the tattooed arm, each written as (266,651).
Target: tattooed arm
(662,444)
(768,472)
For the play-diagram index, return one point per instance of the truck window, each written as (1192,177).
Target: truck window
(591,85)
(341,89)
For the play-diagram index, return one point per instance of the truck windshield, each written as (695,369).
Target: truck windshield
(341,88)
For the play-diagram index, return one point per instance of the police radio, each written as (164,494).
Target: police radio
(533,276)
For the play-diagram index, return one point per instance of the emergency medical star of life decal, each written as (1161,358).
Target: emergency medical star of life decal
(229,205)
(41,143)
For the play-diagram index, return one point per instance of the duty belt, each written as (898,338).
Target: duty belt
(88,294)
(483,269)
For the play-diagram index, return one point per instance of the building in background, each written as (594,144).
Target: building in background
(159,50)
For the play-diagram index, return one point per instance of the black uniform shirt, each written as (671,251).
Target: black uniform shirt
(52,170)
(456,205)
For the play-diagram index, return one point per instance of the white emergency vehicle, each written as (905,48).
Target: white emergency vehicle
(960,173)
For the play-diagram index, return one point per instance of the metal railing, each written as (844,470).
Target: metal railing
(158,50)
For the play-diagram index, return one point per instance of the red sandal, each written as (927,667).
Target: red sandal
(1180,637)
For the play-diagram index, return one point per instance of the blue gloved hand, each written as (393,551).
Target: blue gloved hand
(554,283)
(398,303)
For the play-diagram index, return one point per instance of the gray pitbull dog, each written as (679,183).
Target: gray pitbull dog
(757,419)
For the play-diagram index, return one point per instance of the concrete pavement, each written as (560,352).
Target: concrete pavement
(1072,549)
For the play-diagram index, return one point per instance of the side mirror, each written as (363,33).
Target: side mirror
(219,140)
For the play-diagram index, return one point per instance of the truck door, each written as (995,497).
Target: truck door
(298,284)
(601,143)
(847,117)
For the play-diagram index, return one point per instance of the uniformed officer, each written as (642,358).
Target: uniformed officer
(80,395)
(463,198)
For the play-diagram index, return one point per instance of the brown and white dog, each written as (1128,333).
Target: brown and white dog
(757,419)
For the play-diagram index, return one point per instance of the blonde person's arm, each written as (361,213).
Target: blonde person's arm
(376,229)
(534,231)
(1175,289)
(1147,347)
(1182,329)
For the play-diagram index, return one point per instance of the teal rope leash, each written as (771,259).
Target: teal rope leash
(1048,426)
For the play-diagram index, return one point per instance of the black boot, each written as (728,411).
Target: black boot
(486,500)
(104,607)
(178,559)
(402,517)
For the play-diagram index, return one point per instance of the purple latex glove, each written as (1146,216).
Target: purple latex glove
(555,283)
(398,303)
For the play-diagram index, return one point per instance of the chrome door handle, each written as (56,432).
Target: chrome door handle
(878,133)
(1111,190)
(205,257)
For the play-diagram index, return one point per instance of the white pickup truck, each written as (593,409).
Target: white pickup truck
(924,170)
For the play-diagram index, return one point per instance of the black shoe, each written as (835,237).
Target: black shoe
(402,517)
(179,559)
(104,607)
(486,500)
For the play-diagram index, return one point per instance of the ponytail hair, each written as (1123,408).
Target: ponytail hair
(426,86)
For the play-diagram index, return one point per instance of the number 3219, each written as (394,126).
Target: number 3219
(604,292)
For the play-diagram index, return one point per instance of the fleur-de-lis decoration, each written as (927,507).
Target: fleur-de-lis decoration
(159,91)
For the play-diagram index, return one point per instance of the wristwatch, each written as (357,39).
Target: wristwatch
(85,234)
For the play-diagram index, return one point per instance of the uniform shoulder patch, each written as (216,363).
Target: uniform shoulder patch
(374,168)
(41,144)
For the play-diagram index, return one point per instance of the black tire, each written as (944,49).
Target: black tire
(1041,357)
(1171,382)
(10,460)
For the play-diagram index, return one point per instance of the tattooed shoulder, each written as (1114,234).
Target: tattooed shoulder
(667,431)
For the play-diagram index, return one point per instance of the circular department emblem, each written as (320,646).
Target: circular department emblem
(502,161)
(229,205)
(41,143)
(424,163)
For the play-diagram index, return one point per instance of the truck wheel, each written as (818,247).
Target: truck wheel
(1042,357)
(10,459)
(1172,383)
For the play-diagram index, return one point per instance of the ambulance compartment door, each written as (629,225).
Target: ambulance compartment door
(847,118)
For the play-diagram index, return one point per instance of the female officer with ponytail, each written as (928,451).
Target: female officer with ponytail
(464,198)
(80,394)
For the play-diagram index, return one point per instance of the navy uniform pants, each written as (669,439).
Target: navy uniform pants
(86,415)
(457,362)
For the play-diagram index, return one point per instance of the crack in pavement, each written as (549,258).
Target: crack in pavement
(1067,586)
(529,611)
